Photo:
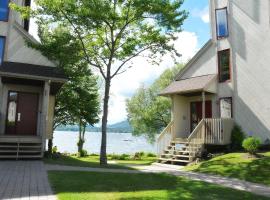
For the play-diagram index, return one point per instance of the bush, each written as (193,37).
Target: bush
(83,153)
(124,157)
(54,150)
(119,157)
(151,155)
(251,145)
(237,138)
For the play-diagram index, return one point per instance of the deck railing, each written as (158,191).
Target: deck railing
(165,138)
(210,131)
(218,131)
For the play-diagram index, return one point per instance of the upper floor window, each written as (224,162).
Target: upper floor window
(4,10)
(2,49)
(222,23)
(224,70)
(26,22)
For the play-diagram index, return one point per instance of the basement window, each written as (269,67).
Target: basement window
(222,23)
(2,49)
(4,10)
(224,69)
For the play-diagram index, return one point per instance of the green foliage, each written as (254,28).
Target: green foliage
(151,155)
(149,113)
(54,150)
(82,153)
(120,157)
(109,34)
(251,145)
(237,138)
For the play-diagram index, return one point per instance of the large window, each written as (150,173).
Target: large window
(2,49)
(224,70)
(225,107)
(4,10)
(222,23)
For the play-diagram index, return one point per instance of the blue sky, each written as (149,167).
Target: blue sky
(195,33)
(194,23)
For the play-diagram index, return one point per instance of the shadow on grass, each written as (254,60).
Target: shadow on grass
(91,185)
(253,170)
(88,161)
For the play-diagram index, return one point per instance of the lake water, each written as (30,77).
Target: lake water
(118,143)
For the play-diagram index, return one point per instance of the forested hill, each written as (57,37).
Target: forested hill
(120,127)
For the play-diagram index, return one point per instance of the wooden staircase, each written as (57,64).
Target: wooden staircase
(172,150)
(20,148)
(178,152)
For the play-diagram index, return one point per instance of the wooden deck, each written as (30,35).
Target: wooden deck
(24,180)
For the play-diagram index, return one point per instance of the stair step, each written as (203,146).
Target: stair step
(173,160)
(19,156)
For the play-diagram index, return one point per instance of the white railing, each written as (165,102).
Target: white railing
(165,138)
(218,131)
(209,131)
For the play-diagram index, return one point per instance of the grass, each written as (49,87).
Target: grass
(116,186)
(93,161)
(237,165)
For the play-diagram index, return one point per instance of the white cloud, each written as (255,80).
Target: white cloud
(125,85)
(203,14)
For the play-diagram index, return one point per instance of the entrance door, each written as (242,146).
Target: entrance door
(196,113)
(22,113)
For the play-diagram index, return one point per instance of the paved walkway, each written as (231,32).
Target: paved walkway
(159,168)
(25,180)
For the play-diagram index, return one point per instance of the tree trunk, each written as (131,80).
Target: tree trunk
(80,142)
(50,146)
(103,154)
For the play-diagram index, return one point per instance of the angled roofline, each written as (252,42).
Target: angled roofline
(29,37)
(195,58)
(25,33)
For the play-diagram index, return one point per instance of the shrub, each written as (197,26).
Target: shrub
(83,153)
(251,145)
(237,138)
(54,149)
(124,157)
(151,155)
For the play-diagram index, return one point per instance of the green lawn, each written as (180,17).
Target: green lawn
(93,161)
(237,165)
(116,186)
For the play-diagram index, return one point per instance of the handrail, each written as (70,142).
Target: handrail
(194,132)
(165,130)
(165,137)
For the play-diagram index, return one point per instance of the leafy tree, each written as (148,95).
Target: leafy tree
(78,100)
(148,112)
(113,32)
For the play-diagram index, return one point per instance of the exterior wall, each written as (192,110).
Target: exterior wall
(16,49)
(249,21)
(180,115)
(203,65)
(181,112)
(49,128)
(4,97)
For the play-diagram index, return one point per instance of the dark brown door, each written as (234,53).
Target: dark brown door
(196,113)
(22,113)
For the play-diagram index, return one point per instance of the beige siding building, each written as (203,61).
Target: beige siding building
(227,82)
(28,85)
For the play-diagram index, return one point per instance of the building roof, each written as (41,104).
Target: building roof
(195,58)
(194,84)
(31,71)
